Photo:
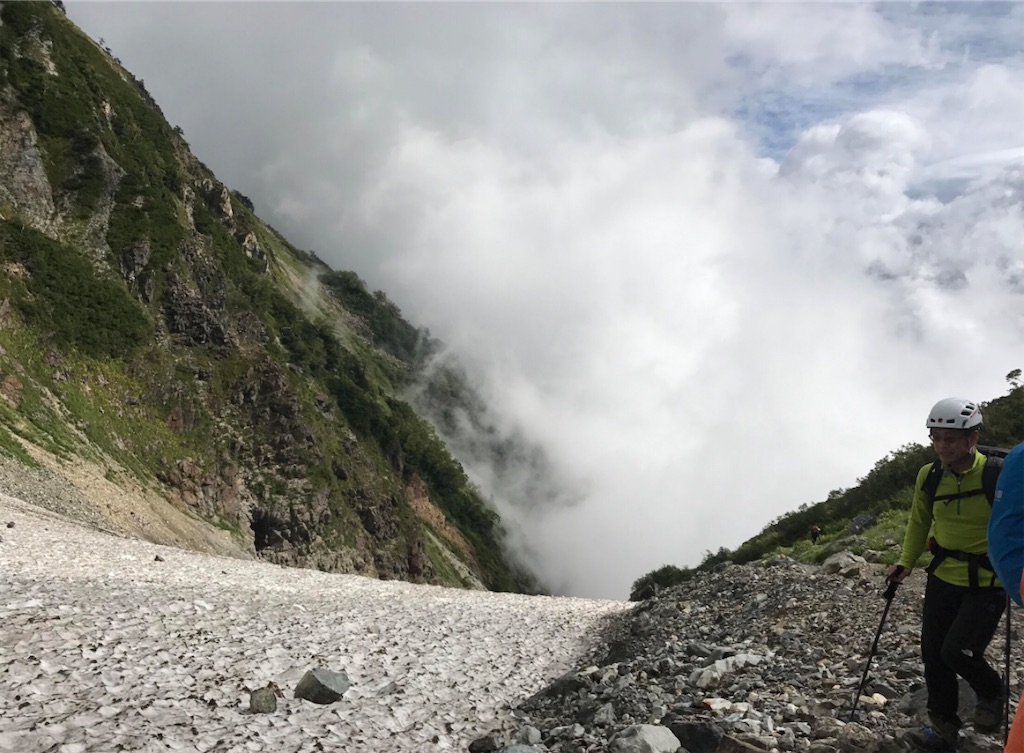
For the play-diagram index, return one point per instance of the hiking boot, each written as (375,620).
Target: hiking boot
(940,736)
(930,740)
(988,714)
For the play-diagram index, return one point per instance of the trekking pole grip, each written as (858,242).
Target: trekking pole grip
(892,582)
(890,591)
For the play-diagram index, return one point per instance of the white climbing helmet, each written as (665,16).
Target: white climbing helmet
(954,413)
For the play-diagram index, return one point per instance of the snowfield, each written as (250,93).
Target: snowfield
(111,644)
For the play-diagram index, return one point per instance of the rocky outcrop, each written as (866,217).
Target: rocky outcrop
(195,299)
(251,246)
(193,319)
(134,263)
(219,495)
(266,401)
(447,539)
(24,186)
(10,390)
(218,197)
(92,235)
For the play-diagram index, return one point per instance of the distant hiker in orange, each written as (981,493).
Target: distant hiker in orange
(815,532)
(1006,550)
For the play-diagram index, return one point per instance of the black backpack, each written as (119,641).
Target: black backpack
(989,475)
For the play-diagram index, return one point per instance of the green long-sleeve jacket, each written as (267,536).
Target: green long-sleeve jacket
(960,524)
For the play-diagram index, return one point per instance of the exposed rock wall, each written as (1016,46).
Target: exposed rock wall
(24,185)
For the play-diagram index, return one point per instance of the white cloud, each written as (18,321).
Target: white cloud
(701,328)
(809,43)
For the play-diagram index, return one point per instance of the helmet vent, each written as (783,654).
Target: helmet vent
(955,412)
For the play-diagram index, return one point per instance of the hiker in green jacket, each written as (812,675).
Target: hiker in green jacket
(963,599)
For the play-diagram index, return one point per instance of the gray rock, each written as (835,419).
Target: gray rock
(698,736)
(322,686)
(263,701)
(854,738)
(841,561)
(605,715)
(529,735)
(485,744)
(644,738)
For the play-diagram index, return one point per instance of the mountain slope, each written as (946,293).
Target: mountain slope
(160,339)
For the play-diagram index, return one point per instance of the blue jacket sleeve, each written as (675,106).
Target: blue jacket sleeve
(1006,525)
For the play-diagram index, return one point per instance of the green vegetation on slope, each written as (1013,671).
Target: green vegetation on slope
(81,103)
(59,292)
(390,331)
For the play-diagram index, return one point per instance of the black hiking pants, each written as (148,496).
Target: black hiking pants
(957,625)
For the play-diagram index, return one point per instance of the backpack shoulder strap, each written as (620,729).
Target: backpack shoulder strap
(931,482)
(990,475)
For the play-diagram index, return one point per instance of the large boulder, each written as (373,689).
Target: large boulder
(846,564)
(861,523)
(322,686)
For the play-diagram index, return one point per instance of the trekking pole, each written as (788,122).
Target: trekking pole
(890,592)
(1006,688)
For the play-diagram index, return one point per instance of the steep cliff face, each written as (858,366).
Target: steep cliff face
(153,326)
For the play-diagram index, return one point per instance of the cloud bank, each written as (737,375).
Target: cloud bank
(716,260)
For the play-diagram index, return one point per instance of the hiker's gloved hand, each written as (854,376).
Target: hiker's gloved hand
(897,574)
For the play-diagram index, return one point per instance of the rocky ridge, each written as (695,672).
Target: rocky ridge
(760,657)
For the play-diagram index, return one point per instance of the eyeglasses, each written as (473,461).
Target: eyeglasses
(948,438)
